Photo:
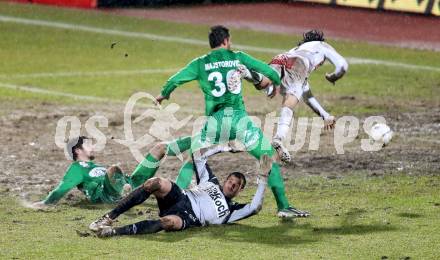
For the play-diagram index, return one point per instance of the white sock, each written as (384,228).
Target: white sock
(284,123)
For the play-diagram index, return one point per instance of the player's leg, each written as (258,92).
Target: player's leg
(148,167)
(275,180)
(168,223)
(178,146)
(286,116)
(167,195)
(171,222)
(175,209)
(257,145)
(158,186)
(141,227)
(294,78)
(276,184)
(186,173)
(217,129)
(116,185)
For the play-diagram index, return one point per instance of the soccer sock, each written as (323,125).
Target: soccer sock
(141,227)
(276,183)
(284,123)
(138,196)
(178,146)
(145,170)
(185,175)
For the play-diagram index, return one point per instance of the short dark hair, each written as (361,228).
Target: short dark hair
(312,35)
(240,176)
(217,35)
(73,144)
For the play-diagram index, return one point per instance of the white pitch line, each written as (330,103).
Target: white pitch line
(391,64)
(55,93)
(87,74)
(76,96)
(155,37)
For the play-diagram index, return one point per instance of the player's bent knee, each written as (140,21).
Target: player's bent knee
(160,187)
(290,101)
(112,171)
(159,149)
(153,184)
(171,223)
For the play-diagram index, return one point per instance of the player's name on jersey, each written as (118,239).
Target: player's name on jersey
(222,64)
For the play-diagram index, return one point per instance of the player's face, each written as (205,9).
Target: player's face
(232,187)
(87,151)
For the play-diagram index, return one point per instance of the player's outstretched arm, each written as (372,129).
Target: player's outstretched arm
(341,65)
(312,102)
(189,73)
(71,179)
(242,211)
(54,196)
(63,188)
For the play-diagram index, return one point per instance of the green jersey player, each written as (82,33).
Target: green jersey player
(99,184)
(224,105)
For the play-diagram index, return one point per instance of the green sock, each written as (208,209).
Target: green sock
(144,171)
(185,175)
(178,146)
(276,183)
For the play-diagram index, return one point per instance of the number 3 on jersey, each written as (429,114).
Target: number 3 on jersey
(234,84)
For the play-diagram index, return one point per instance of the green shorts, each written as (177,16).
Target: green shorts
(111,190)
(223,126)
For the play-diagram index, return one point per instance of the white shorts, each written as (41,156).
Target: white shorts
(293,73)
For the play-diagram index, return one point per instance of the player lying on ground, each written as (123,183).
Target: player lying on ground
(96,182)
(225,108)
(206,204)
(295,67)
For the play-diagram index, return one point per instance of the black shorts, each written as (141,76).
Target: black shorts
(177,203)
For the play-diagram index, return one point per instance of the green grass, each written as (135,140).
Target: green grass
(353,218)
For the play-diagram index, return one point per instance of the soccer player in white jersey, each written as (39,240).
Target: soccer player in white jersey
(294,67)
(208,203)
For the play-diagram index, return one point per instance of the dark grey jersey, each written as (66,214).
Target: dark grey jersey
(208,201)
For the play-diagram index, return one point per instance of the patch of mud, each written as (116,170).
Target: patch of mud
(31,164)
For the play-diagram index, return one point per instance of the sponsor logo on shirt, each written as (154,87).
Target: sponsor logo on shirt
(97,172)
(218,199)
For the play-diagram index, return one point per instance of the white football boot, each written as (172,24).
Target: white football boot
(282,151)
(104,221)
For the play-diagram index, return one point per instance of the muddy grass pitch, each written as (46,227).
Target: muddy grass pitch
(365,205)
